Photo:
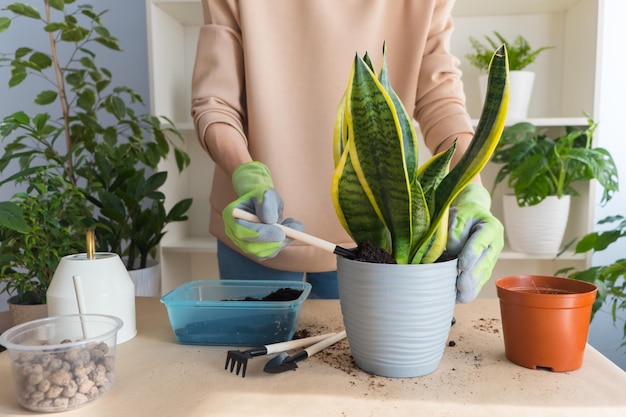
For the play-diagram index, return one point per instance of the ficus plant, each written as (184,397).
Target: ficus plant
(380,194)
(54,214)
(536,166)
(87,131)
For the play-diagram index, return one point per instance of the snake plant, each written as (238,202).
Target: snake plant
(380,193)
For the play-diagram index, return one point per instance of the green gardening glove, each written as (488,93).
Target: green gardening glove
(476,238)
(253,184)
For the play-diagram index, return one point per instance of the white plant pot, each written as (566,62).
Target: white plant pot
(538,229)
(397,317)
(521,88)
(106,289)
(147,280)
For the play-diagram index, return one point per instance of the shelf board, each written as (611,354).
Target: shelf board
(208,244)
(548,121)
(186,127)
(508,253)
(186,12)
(191,244)
(469,8)
(189,12)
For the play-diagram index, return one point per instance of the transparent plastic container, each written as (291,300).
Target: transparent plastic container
(63,362)
(234,312)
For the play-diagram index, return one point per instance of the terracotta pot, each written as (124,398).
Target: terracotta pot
(397,317)
(545,320)
(22,313)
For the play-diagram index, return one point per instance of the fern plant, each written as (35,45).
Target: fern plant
(519,52)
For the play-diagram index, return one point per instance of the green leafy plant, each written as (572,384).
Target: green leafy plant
(54,213)
(519,51)
(380,194)
(610,279)
(88,133)
(538,166)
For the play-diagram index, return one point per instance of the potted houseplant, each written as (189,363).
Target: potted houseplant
(132,216)
(89,131)
(520,56)
(381,196)
(610,278)
(541,172)
(53,213)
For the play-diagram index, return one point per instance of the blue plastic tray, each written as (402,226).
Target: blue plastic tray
(213,312)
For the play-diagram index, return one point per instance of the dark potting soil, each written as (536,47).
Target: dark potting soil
(367,252)
(281,294)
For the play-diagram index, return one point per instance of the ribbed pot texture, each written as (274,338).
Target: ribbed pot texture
(397,317)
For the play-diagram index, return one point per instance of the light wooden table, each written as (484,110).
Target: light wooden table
(155,376)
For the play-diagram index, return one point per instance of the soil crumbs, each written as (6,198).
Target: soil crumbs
(488,325)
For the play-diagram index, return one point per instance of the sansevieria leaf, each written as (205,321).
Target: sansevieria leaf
(377,154)
(355,213)
(354,209)
(486,137)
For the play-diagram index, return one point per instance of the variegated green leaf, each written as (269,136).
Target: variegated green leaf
(409,137)
(481,148)
(432,172)
(353,208)
(376,149)
(341,132)
(437,244)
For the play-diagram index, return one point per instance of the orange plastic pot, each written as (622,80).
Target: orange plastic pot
(545,320)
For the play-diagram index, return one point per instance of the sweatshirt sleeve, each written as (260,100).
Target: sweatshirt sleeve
(440,100)
(218,89)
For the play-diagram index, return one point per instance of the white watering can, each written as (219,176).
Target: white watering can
(94,283)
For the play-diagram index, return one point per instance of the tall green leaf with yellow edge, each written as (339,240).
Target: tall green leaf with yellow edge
(379,192)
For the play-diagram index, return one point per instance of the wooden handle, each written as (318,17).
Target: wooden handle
(289,232)
(319,346)
(297,343)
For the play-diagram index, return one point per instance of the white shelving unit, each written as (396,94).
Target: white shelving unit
(565,87)
(187,251)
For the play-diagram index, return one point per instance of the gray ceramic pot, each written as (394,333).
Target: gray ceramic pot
(397,317)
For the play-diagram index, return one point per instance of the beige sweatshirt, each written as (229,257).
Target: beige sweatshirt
(271,74)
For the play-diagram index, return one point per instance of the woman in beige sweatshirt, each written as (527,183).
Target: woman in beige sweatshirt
(268,78)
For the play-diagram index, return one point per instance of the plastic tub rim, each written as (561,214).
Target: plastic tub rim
(305,287)
(15,330)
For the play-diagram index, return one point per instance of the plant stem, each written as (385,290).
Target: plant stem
(62,97)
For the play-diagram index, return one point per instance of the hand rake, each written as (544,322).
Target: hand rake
(238,359)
